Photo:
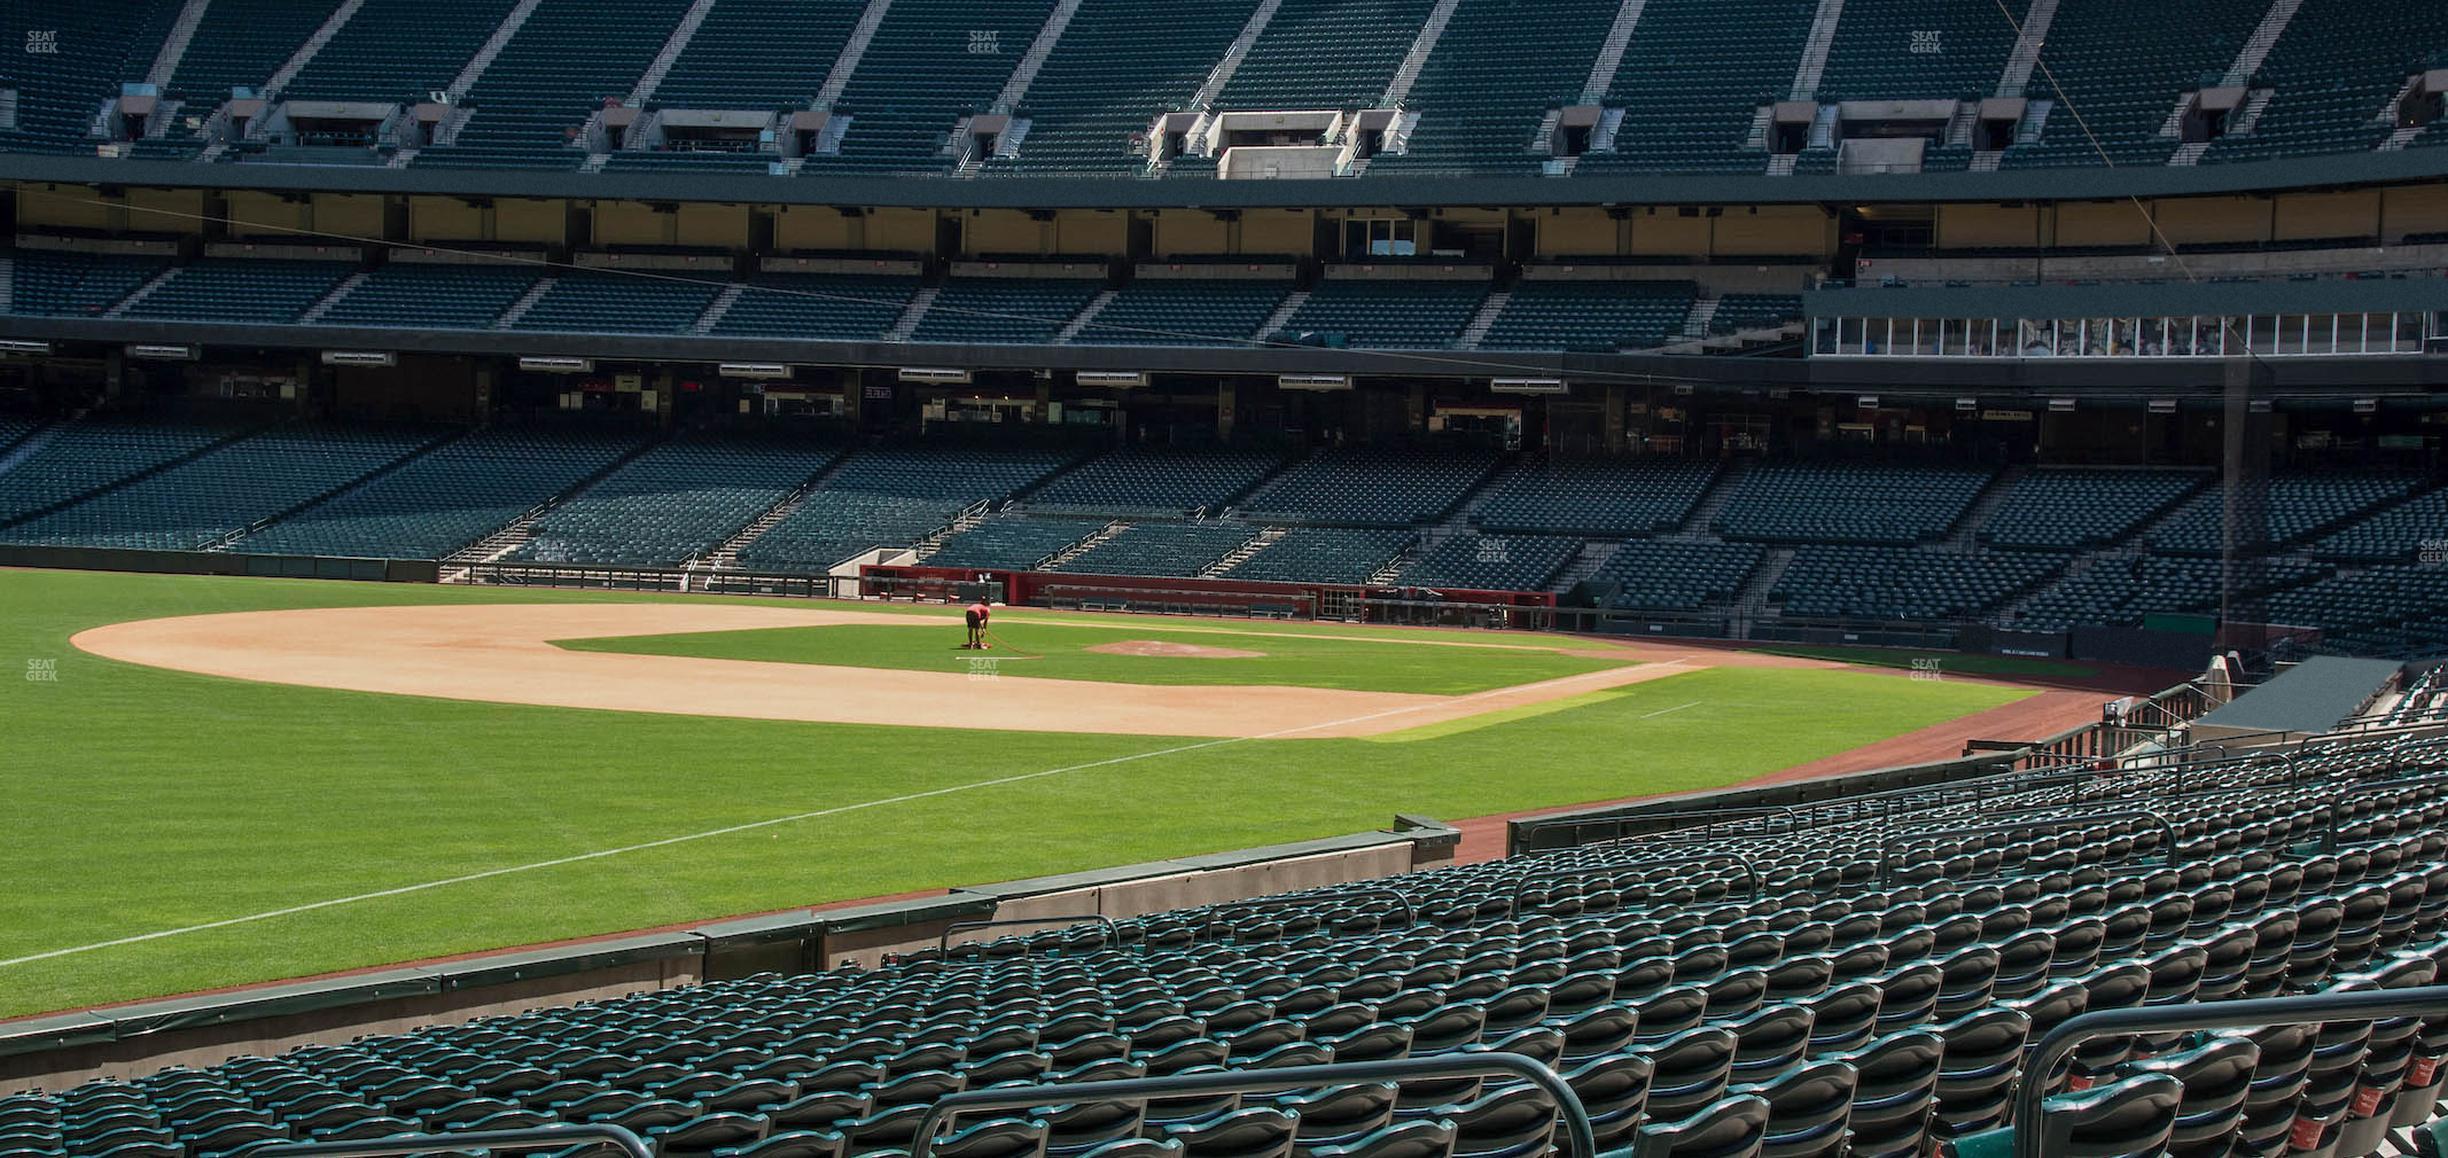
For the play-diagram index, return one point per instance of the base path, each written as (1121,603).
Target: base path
(503,653)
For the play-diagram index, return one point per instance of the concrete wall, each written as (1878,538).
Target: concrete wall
(211,1044)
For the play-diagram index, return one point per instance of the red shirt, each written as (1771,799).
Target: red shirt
(980,610)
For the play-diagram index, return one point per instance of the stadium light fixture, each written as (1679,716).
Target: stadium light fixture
(753,370)
(542,364)
(359,358)
(1112,379)
(26,346)
(1530,386)
(158,353)
(934,376)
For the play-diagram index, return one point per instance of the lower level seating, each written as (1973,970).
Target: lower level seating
(1650,575)
(446,498)
(1826,503)
(638,302)
(2119,591)
(417,295)
(1011,542)
(1894,583)
(1323,555)
(75,284)
(1483,562)
(194,504)
(674,502)
(1162,549)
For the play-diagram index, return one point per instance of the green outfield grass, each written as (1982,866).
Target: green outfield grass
(144,800)
(1057,649)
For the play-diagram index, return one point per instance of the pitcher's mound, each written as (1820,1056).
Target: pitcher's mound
(1167,650)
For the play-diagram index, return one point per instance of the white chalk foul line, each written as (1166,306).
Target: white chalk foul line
(1650,716)
(818,814)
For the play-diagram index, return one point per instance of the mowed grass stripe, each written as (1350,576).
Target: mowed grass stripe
(151,799)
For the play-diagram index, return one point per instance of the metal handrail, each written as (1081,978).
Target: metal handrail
(1887,844)
(1448,1065)
(1410,914)
(1521,884)
(525,1138)
(1113,932)
(2058,1043)
(1793,820)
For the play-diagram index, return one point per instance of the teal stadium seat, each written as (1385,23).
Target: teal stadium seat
(592,302)
(445,499)
(675,502)
(931,63)
(565,61)
(1593,496)
(79,285)
(1822,503)
(1650,575)
(853,307)
(1477,103)
(2124,76)
(1323,555)
(2072,509)
(1388,314)
(1119,65)
(196,503)
(1325,54)
(1011,542)
(1184,312)
(1169,549)
(893,496)
(419,295)
(1371,487)
(1155,481)
(236,289)
(1004,310)
(1566,314)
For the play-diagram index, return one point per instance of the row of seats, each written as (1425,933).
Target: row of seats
(1595,497)
(1323,555)
(1608,315)
(1824,503)
(675,502)
(445,499)
(1687,89)
(1371,487)
(193,504)
(1904,584)
(565,60)
(2077,509)
(894,496)
(2121,590)
(1847,977)
(1010,542)
(1482,562)
(1162,549)
(1118,65)
(2293,506)
(1655,575)
(1155,481)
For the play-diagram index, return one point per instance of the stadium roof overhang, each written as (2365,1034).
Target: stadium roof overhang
(2071,184)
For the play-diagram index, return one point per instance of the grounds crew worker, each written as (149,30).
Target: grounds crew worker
(977,614)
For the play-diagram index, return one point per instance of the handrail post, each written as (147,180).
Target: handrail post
(551,1134)
(2058,1043)
(1451,1065)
